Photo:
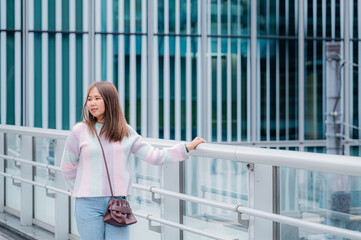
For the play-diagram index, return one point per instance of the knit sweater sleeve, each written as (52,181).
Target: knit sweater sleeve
(157,156)
(70,158)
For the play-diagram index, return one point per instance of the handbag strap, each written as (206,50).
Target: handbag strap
(106,166)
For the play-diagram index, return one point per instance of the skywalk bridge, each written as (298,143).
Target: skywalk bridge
(222,192)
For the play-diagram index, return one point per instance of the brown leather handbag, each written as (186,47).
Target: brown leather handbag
(118,212)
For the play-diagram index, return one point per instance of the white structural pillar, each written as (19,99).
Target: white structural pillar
(333,98)
(260,176)
(26,172)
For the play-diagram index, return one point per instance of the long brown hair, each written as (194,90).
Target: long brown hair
(115,124)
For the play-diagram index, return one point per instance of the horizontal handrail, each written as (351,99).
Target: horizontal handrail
(36,132)
(36,183)
(336,164)
(301,223)
(256,213)
(149,217)
(25,161)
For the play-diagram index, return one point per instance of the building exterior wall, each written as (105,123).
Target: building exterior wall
(52,50)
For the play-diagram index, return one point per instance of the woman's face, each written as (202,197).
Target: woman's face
(95,104)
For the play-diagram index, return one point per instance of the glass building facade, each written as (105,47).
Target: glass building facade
(182,68)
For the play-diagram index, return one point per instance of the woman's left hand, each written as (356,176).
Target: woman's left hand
(192,145)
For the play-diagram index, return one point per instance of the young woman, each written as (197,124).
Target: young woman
(83,165)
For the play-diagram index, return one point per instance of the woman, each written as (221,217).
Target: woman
(83,165)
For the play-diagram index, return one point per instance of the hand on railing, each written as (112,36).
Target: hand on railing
(192,145)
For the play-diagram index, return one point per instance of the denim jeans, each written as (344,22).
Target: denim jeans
(89,213)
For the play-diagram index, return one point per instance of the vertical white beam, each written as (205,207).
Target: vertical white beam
(154,89)
(132,70)
(144,79)
(219,75)
(287,73)
(278,71)
(301,69)
(177,77)
(30,103)
(347,89)
(342,11)
(166,67)
(58,65)
(359,68)
(239,76)
(25,63)
(171,173)
(97,41)
(314,87)
(268,73)
(209,78)
(253,81)
(188,75)
(229,76)
(44,63)
(258,92)
(109,37)
(324,80)
(17,53)
(250,91)
(3,63)
(121,87)
(333,18)
(72,64)
(86,62)
(201,69)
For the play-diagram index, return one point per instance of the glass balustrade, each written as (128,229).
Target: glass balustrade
(12,188)
(219,180)
(44,203)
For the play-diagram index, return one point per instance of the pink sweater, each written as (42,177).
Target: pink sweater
(83,165)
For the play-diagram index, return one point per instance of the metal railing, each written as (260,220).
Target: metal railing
(301,160)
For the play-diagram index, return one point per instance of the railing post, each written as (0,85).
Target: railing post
(261,198)
(26,190)
(2,169)
(61,200)
(170,206)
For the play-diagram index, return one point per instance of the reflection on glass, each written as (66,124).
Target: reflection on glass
(13,148)
(145,174)
(324,198)
(218,180)
(44,204)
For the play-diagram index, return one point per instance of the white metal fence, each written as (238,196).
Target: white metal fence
(257,218)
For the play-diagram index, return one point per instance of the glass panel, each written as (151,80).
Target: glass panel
(270,12)
(12,192)
(314,107)
(145,174)
(240,11)
(318,197)
(219,180)
(44,208)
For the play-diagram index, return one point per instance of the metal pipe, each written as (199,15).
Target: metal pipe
(43,165)
(301,223)
(36,184)
(185,197)
(179,226)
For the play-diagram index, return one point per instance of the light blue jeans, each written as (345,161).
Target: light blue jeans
(89,213)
